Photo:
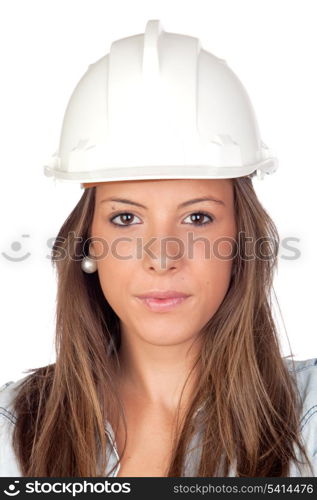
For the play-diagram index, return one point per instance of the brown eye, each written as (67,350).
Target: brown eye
(124,217)
(198,218)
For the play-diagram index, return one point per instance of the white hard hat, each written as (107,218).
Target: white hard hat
(159,106)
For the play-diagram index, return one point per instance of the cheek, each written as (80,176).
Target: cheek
(214,255)
(213,273)
(115,260)
(114,246)
(114,276)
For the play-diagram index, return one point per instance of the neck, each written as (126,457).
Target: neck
(156,374)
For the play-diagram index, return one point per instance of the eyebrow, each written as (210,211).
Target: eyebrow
(184,204)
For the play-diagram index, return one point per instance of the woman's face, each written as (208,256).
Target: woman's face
(160,240)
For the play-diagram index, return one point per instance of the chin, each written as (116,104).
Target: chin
(167,336)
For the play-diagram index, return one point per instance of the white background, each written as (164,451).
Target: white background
(46,46)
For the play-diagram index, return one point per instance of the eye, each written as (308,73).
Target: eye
(198,221)
(200,217)
(121,216)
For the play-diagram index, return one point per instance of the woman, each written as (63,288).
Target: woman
(168,359)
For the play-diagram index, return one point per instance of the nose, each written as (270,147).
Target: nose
(163,253)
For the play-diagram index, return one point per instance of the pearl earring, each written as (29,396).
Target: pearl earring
(88,265)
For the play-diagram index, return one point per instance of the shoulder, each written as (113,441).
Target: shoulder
(8,391)
(305,374)
(6,400)
(8,463)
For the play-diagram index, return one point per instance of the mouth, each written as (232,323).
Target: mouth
(155,304)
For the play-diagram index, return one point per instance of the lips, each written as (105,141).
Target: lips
(163,294)
(162,300)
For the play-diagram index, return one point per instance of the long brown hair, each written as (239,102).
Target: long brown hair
(245,401)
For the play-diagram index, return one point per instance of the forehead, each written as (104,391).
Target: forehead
(167,190)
